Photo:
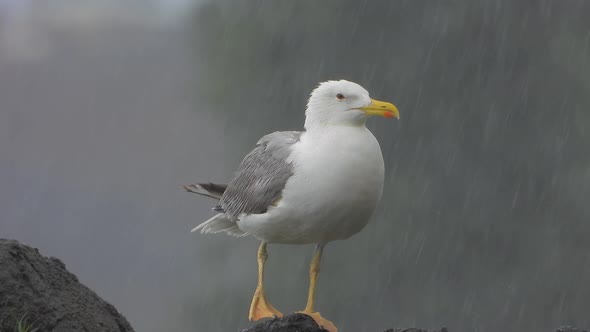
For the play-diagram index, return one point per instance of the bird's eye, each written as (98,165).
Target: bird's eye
(340,96)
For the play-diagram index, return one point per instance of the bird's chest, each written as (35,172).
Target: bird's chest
(339,180)
(339,171)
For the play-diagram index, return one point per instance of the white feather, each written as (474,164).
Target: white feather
(219,223)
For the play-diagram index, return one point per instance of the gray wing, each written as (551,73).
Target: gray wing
(261,177)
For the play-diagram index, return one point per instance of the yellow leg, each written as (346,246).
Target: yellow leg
(260,308)
(314,270)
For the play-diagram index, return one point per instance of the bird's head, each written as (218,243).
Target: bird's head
(344,103)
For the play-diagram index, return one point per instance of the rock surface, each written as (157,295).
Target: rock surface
(288,323)
(304,323)
(413,329)
(51,298)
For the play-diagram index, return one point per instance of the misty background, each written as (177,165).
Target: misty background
(106,107)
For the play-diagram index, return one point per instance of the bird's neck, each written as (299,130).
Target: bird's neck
(322,121)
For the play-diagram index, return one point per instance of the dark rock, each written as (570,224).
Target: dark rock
(413,329)
(289,323)
(303,323)
(50,297)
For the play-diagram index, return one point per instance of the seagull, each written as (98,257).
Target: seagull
(305,187)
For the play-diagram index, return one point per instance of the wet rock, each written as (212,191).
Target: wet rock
(304,323)
(41,291)
(413,329)
(289,323)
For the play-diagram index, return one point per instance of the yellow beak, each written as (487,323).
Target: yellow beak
(381,108)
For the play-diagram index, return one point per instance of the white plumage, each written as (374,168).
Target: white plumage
(336,184)
(315,186)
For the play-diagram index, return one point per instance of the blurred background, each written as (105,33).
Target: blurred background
(106,107)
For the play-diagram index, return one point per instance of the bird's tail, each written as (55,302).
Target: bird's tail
(220,223)
(212,190)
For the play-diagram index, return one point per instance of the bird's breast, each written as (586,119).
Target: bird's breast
(337,183)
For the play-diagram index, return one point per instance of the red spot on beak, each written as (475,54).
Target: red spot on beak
(388,115)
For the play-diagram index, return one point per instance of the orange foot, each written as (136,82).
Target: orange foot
(322,322)
(260,308)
